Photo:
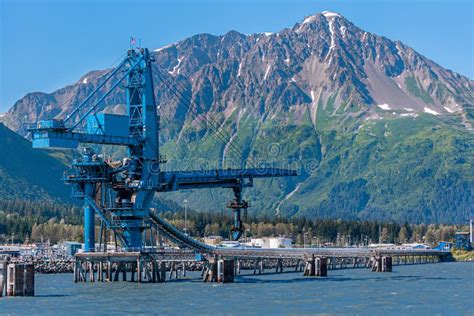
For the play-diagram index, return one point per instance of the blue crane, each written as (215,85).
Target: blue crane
(120,192)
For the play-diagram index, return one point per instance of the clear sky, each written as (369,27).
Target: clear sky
(46,44)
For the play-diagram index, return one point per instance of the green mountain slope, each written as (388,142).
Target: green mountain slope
(402,168)
(28,173)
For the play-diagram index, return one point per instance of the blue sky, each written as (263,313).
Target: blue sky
(46,44)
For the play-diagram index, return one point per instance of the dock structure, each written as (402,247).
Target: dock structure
(222,265)
(131,266)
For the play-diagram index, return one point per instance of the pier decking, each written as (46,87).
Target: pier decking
(152,266)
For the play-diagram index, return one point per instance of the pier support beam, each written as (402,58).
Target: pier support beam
(381,264)
(3,277)
(225,271)
(210,271)
(162,271)
(139,271)
(386,264)
(279,266)
(316,267)
(20,280)
(219,270)
(29,289)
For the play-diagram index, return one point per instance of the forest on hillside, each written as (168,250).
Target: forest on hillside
(22,221)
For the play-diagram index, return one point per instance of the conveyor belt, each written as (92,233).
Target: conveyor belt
(178,237)
(175,235)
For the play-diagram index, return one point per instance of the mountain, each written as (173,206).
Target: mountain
(376,129)
(27,173)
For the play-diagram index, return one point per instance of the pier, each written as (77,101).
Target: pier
(222,265)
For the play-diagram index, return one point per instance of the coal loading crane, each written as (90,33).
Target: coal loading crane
(120,192)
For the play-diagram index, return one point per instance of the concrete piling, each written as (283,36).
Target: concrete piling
(15,278)
(225,271)
(219,270)
(210,272)
(3,277)
(29,289)
(162,271)
(321,268)
(20,279)
(279,266)
(381,264)
(316,266)
(386,264)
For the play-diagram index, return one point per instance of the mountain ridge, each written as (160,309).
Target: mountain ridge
(377,129)
(333,34)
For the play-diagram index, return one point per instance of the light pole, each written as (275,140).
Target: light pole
(246,238)
(185,217)
(470,230)
(304,238)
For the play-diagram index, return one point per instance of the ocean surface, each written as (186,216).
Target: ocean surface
(446,288)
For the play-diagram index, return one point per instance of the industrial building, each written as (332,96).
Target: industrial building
(271,242)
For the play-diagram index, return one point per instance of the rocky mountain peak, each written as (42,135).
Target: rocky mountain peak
(323,59)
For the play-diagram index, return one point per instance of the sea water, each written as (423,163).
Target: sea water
(445,288)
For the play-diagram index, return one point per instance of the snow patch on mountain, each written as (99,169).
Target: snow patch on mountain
(266,72)
(312,18)
(309,19)
(164,47)
(409,114)
(384,106)
(176,69)
(329,14)
(333,38)
(430,111)
(448,109)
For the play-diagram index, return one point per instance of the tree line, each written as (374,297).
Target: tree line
(22,221)
(314,231)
